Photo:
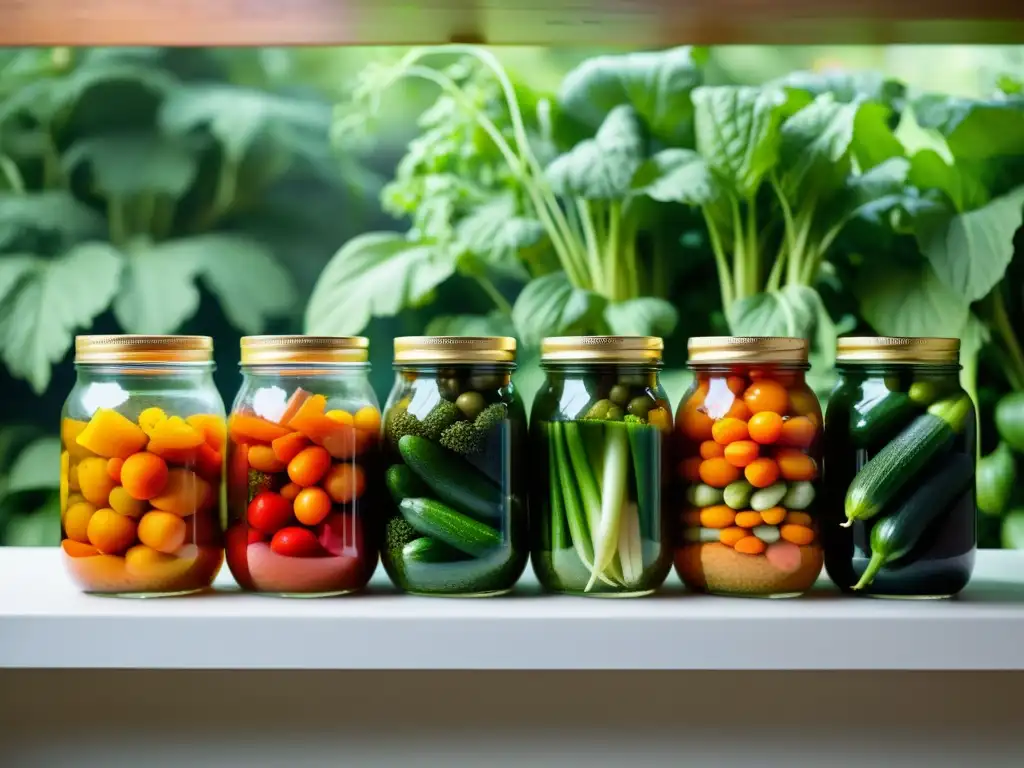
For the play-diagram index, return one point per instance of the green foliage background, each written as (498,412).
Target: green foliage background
(216,192)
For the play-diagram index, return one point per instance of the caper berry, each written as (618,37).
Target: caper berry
(639,406)
(619,394)
(470,403)
(449,387)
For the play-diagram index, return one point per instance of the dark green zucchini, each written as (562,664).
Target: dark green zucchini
(403,484)
(875,421)
(428,550)
(455,482)
(905,456)
(895,535)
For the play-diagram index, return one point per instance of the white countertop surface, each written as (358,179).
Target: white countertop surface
(46,623)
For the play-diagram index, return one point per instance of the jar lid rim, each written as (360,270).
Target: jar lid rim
(610,349)
(424,350)
(295,348)
(747,349)
(142,348)
(898,349)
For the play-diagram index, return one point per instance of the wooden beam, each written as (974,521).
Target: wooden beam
(530,22)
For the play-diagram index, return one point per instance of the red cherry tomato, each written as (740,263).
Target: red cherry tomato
(296,542)
(269,512)
(254,536)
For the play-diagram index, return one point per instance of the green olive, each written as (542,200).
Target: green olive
(619,394)
(599,410)
(615,413)
(449,387)
(639,406)
(470,403)
(893,383)
(487,381)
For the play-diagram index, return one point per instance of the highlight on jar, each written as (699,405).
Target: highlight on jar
(302,460)
(141,467)
(900,451)
(749,440)
(454,430)
(598,430)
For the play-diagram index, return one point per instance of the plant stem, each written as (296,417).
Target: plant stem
(611,268)
(116,222)
(753,270)
(1004,329)
(797,254)
(12,175)
(739,258)
(775,277)
(593,243)
(494,294)
(721,262)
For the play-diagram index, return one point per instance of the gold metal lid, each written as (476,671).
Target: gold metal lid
(610,349)
(747,349)
(455,349)
(323,350)
(127,348)
(897,349)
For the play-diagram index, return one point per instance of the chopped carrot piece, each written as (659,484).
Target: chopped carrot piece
(252,429)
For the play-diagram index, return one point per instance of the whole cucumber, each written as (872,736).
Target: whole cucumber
(456,482)
(434,519)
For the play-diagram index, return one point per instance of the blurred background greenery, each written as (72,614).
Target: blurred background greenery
(361,190)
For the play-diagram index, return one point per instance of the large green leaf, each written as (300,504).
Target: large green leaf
(646,316)
(375,275)
(159,290)
(37,467)
(55,211)
(41,528)
(848,87)
(44,300)
(792,311)
(970,251)
(975,130)
(132,163)
(551,305)
(929,170)
(495,236)
(656,84)
(602,168)
(676,176)
(738,133)
(910,301)
(238,116)
(815,146)
(493,324)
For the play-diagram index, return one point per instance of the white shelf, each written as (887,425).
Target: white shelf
(46,623)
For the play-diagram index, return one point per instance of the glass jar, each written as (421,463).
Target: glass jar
(454,429)
(749,440)
(900,433)
(303,467)
(142,434)
(598,433)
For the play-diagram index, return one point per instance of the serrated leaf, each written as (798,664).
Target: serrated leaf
(656,84)
(249,282)
(376,274)
(52,297)
(238,116)
(128,164)
(37,467)
(602,168)
(551,305)
(158,291)
(645,316)
(676,176)
(970,251)
(51,211)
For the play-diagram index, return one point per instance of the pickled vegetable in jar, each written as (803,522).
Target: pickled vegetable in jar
(901,514)
(749,436)
(142,434)
(303,467)
(598,431)
(454,428)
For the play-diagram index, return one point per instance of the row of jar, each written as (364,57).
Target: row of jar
(748,490)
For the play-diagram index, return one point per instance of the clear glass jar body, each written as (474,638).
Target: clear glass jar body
(597,499)
(303,479)
(923,529)
(454,436)
(141,479)
(749,442)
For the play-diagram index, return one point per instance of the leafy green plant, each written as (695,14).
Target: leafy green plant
(541,195)
(124,176)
